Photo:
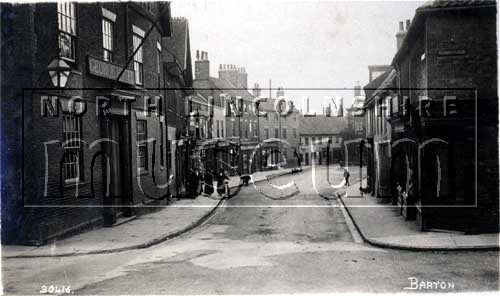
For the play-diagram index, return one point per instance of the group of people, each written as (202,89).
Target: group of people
(198,183)
(203,183)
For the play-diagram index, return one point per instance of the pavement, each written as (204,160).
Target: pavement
(380,224)
(146,230)
(254,244)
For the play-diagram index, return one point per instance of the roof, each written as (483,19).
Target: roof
(436,6)
(379,67)
(177,44)
(387,82)
(371,87)
(322,125)
(227,87)
(452,4)
(178,48)
(216,86)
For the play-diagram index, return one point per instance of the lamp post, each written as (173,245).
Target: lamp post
(240,157)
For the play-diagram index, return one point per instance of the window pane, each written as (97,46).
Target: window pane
(72,147)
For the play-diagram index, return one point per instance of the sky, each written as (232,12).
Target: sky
(298,44)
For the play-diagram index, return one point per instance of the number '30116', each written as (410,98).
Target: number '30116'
(54,289)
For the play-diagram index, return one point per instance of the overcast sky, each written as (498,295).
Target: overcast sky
(297,44)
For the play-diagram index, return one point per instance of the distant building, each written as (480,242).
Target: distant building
(178,86)
(315,131)
(285,127)
(240,122)
(374,71)
(382,82)
(355,132)
(378,134)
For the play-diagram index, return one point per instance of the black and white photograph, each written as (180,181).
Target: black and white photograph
(198,147)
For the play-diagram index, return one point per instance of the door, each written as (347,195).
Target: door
(120,184)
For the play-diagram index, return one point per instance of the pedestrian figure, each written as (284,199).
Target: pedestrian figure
(209,184)
(194,188)
(221,184)
(346,176)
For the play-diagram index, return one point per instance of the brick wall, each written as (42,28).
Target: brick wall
(460,52)
(33,46)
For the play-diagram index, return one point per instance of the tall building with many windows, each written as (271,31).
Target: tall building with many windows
(82,97)
(229,91)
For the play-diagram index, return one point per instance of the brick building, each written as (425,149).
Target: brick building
(285,127)
(239,127)
(355,133)
(81,171)
(447,104)
(378,134)
(423,133)
(178,85)
(378,143)
(315,131)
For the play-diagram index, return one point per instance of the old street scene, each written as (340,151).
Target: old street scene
(249,147)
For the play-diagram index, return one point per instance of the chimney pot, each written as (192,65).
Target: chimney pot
(408,24)
(202,66)
(401,26)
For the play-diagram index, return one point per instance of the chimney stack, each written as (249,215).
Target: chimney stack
(357,89)
(400,36)
(237,76)
(202,66)
(256,90)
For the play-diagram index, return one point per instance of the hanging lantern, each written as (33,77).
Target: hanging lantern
(59,72)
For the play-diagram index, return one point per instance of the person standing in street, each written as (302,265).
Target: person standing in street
(346,176)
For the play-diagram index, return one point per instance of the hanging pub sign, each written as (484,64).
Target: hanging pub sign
(110,71)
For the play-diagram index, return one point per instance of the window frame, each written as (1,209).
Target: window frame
(162,146)
(138,42)
(141,137)
(68,136)
(108,35)
(66,20)
(218,129)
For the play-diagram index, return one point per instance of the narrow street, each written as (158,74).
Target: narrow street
(259,245)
